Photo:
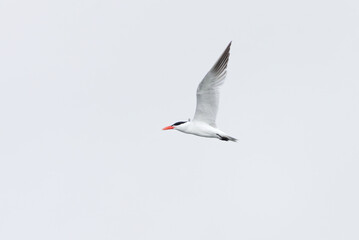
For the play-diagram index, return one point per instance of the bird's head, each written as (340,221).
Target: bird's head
(178,126)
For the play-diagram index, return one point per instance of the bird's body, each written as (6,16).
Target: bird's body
(202,129)
(204,121)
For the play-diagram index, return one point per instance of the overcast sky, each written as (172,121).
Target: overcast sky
(87,86)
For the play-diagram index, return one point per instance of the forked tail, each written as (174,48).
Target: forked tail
(226,138)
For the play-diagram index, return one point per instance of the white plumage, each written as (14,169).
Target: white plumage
(204,120)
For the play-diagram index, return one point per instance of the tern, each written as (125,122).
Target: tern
(204,120)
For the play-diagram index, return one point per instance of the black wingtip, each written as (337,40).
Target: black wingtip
(228,48)
(221,63)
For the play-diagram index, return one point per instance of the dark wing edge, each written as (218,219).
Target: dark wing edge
(216,75)
(221,64)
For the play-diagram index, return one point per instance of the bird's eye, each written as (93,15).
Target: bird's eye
(177,123)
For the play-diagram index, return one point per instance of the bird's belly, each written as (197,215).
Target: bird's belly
(203,131)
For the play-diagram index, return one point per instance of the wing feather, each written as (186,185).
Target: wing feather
(208,90)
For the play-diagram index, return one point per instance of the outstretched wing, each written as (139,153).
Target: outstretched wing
(208,90)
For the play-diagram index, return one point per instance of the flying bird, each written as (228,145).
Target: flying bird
(204,120)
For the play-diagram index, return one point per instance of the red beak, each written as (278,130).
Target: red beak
(168,128)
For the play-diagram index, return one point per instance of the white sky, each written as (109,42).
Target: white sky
(86,86)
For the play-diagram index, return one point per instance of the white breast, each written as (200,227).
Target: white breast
(200,129)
